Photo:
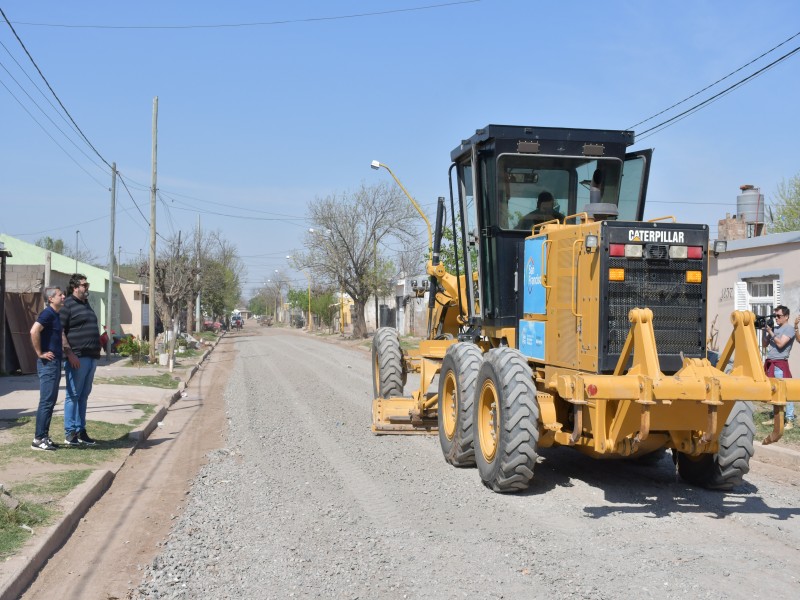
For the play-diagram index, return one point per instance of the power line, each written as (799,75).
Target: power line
(255,210)
(125,185)
(289,220)
(38,89)
(69,139)
(721,79)
(255,24)
(47,133)
(717,96)
(52,91)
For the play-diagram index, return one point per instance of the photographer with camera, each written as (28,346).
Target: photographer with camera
(778,339)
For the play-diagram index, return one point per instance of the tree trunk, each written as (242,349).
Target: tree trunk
(190,325)
(359,322)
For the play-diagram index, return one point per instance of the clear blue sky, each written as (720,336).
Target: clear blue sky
(265,118)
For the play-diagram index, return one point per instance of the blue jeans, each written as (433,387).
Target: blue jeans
(49,378)
(789,405)
(79,386)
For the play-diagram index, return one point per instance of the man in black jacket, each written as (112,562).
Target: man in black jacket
(81,342)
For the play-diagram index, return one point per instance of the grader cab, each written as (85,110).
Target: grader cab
(583,326)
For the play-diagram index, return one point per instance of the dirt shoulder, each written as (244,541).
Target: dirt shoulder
(121,533)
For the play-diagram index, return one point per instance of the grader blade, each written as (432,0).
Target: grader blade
(399,416)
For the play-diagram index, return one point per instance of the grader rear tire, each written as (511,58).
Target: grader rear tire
(727,468)
(506,421)
(456,394)
(388,370)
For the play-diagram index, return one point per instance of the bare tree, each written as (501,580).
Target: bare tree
(357,233)
(175,282)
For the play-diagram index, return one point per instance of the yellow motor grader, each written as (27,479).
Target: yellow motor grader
(586,330)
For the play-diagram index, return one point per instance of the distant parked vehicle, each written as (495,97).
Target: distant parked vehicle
(237,322)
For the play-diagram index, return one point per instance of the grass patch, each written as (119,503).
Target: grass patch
(164,380)
(12,534)
(206,336)
(763,412)
(190,353)
(55,485)
(112,439)
(147,409)
(408,342)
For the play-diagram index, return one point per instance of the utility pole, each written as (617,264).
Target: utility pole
(151,291)
(119,259)
(110,293)
(77,231)
(375,255)
(198,326)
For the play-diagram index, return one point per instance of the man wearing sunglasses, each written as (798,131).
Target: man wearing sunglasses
(81,342)
(778,342)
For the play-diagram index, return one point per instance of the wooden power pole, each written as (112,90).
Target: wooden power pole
(151,291)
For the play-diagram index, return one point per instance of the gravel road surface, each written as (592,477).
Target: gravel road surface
(306,502)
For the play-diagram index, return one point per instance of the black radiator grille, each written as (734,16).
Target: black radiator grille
(660,285)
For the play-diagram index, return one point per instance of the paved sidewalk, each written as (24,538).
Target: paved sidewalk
(19,395)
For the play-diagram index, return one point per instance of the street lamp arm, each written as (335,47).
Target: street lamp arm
(375,165)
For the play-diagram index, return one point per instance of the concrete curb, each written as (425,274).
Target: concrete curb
(78,502)
(75,504)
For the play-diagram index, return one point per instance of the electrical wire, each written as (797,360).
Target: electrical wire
(169,195)
(125,185)
(68,138)
(671,121)
(721,79)
(38,89)
(52,91)
(255,24)
(47,133)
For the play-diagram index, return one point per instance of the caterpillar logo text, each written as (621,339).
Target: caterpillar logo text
(655,235)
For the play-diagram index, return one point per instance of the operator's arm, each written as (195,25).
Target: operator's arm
(797,329)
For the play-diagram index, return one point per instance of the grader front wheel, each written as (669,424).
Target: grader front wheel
(727,468)
(388,372)
(507,421)
(456,394)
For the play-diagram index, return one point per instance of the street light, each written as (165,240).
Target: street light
(289,257)
(377,165)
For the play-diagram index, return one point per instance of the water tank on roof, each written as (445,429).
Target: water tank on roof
(750,205)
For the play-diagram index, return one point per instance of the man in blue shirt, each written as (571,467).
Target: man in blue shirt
(46,340)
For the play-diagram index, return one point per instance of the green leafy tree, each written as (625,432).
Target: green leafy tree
(324,304)
(786,215)
(53,245)
(257,305)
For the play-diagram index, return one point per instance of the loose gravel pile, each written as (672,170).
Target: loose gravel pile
(305,502)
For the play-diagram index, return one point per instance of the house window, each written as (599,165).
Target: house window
(759,294)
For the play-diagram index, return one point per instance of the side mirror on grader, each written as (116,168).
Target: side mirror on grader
(585,329)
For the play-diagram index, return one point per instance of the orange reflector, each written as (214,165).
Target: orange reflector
(694,277)
(616,274)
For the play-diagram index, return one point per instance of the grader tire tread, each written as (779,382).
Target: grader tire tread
(513,465)
(464,360)
(726,469)
(389,374)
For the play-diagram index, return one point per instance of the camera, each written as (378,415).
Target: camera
(765,321)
